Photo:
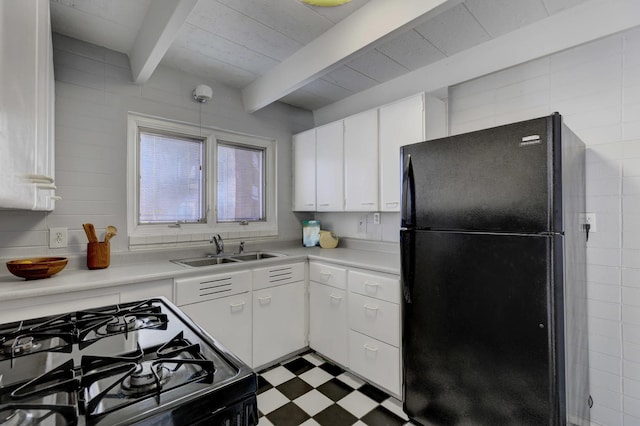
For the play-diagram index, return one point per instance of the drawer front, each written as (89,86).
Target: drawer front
(326,274)
(376,318)
(376,361)
(277,275)
(199,289)
(378,286)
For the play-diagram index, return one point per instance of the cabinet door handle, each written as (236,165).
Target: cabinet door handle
(392,204)
(236,305)
(370,307)
(370,348)
(264,300)
(367,204)
(371,284)
(324,204)
(309,204)
(326,275)
(335,297)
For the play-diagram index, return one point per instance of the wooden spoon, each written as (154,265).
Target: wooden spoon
(90,230)
(111,232)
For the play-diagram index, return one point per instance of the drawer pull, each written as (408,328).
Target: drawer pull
(236,305)
(372,284)
(370,307)
(326,275)
(370,348)
(264,300)
(334,297)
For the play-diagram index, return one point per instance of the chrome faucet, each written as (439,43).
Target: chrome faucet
(217,240)
(241,248)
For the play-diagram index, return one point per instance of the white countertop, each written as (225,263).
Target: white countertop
(70,280)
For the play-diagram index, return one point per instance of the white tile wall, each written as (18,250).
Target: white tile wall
(94,92)
(596,87)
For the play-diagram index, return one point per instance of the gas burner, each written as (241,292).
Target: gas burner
(20,346)
(147,377)
(119,325)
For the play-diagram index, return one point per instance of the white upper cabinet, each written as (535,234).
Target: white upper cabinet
(26,102)
(401,123)
(330,167)
(361,161)
(304,171)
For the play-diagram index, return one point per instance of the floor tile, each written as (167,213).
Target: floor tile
(288,415)
(335,415)
(313,402)
(294,388)
(313,358)
(332,369)
(373,392)
(380,416)
(263,384)
(335,389)
(278,375)
(308,390)
(298,366)
(357,403)
(351,380)
(316,376)
(271,400)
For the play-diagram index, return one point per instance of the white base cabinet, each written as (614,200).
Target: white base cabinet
(278,322)
(355,321)
(228,320)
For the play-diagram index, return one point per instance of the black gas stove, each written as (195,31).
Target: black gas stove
(141,363)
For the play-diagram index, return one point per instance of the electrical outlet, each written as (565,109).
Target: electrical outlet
(589,218)
(376,218)
(57,237)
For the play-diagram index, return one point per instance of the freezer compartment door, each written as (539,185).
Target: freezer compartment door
(497,179)
(477,330)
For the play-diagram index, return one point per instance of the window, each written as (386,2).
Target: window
(171,178)
(240,183)
(186,183)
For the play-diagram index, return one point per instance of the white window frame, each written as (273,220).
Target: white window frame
(146,235)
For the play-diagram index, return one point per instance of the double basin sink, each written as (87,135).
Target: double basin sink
(196,262)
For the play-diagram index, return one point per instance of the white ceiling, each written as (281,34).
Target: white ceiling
(242,43)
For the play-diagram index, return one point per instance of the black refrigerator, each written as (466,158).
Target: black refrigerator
(494,328)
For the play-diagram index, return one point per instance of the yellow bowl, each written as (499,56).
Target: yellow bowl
(37,267)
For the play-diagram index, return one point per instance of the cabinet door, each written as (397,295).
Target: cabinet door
(401,123)
(18,94)
(43,172)
(328,331)
(361,161)
(227,320)
(278,322)
(329,168)
(304,171)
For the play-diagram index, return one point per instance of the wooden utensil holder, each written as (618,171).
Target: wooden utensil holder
(98,255)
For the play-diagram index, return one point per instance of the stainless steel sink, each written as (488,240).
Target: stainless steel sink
(254,256)
(197,262)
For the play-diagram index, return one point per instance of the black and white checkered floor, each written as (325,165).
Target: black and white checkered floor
(308,390)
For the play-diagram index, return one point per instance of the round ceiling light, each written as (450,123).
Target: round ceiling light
(326,2)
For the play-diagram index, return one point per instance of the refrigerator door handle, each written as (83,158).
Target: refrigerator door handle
(407,262)
(408,196)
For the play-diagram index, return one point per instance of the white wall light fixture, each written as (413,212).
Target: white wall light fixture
(202,93)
